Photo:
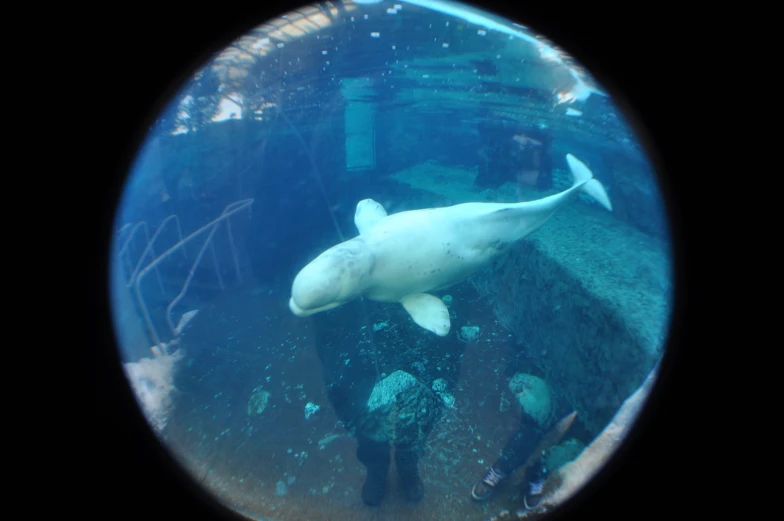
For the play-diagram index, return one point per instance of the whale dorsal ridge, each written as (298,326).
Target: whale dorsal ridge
(428,311)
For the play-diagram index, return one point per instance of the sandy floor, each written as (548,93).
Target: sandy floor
(245,459)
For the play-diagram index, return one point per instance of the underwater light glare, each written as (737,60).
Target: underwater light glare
(372,235)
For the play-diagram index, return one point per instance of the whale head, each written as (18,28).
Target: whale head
(335,277)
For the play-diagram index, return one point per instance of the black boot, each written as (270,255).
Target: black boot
(407,462)
(375,457)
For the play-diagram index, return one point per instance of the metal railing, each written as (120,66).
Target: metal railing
(140,270)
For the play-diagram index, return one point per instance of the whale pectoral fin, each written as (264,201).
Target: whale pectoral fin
(428,311)
(368,213)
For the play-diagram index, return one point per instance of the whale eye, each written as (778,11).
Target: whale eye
(494,307)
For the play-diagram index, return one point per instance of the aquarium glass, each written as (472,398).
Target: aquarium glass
(391,260)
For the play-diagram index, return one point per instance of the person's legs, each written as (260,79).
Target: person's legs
(418,411)
(519,446)
(514,454)
(376,458)
(407,463)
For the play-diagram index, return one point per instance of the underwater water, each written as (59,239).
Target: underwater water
(430,345)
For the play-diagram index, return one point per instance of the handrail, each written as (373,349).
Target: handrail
(152,241)
(211,228)
(125,250)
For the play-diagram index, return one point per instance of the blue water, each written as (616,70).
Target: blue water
(415,109)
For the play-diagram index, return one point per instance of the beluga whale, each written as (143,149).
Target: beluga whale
(403,256)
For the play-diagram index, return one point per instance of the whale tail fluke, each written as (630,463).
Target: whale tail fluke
(591,187)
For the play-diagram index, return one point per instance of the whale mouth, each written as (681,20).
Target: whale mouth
(306,312)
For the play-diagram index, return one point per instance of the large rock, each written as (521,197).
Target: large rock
(401,410)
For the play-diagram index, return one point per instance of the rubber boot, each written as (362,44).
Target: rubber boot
(407,462)
(375,457)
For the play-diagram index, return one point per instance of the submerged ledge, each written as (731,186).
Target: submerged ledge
(587,295)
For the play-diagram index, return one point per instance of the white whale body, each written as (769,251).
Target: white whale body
(403,256)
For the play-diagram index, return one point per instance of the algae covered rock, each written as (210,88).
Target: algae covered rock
(311,409)
(534,396)
(440,388)
(258,401)
(468,333)
(386,391)
(559,455)
(439,385)
(400,409)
